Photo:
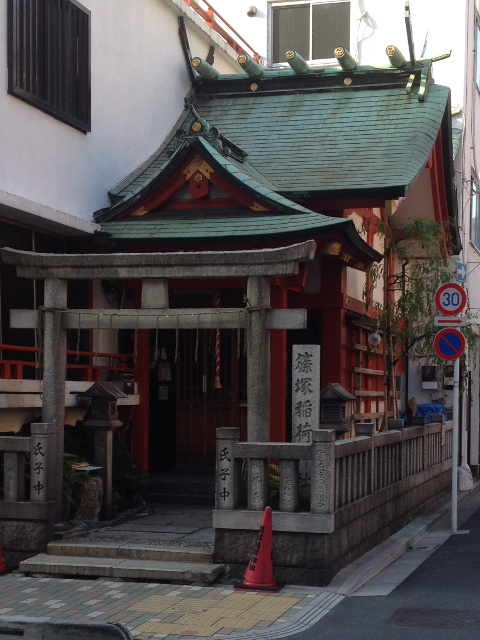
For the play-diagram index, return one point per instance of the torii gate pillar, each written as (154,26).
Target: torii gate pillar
(53,401)
(258,361)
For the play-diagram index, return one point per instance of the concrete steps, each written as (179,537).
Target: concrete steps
(127,561)
(182,487)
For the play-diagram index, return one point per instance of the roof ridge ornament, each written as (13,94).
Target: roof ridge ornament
(395,57)
(204,69)
(345,59)
(200,127)
(250,66)
(298,64)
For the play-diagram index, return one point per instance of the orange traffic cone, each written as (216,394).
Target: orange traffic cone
(259,573)
(3,568)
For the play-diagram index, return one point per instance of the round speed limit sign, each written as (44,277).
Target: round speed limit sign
(450,299)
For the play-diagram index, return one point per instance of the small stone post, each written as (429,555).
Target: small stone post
(368,429)
(288,485)
(10,476)
(103,459)
(399,425)
(41,489)
(226,481)
(323,471)
(258,483)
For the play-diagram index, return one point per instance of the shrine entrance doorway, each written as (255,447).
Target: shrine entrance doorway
(188,400)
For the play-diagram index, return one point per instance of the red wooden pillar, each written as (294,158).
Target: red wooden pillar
(334,353)
(335,347)
(278,370)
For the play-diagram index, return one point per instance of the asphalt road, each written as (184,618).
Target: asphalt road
(438,601)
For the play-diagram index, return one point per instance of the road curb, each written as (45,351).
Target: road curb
(351,578)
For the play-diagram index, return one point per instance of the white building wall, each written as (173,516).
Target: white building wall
(138,83)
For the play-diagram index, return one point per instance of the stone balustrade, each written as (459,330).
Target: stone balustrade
(360,490)
(26,506)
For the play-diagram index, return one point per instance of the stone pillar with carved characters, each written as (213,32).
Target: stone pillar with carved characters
(305,399)
(226,482)
(323,471)
(41,490)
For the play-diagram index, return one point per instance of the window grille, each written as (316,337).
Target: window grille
(312,29)
(49,58)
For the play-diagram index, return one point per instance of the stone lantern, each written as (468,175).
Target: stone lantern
(104,420)
(336,408)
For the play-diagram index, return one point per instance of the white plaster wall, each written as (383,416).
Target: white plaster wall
(139,80)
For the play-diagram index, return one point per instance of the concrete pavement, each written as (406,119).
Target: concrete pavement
(152,610)
(431,593)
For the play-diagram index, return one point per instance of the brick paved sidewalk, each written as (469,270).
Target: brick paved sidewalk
(151,610)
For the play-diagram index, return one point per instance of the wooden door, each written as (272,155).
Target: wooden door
(201,408)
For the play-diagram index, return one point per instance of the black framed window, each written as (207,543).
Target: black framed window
(49,58)
(312,29)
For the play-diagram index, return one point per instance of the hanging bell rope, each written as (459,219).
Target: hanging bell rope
(217,384)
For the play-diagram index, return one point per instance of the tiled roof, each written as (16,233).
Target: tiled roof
(341,141)
(237,224)
(335,143)
(315,137)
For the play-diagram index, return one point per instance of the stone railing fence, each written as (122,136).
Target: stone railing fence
(371,462)
(342,471)
(361,491)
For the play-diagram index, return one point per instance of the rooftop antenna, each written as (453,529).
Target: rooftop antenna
(408,24)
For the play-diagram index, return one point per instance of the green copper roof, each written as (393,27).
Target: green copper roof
(237,224)
(242,224)
(334,142)
(293,139)
(326,144)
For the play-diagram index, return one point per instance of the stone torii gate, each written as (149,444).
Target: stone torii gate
(154,270)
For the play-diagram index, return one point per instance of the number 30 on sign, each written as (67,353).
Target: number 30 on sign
(450,299)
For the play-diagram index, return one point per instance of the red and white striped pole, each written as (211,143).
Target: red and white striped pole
(217,384)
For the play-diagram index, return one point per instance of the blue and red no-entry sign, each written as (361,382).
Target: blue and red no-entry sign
(449,344)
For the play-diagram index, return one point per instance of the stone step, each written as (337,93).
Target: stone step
(167,497)
(129,551)
(182,487)
(173,572)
